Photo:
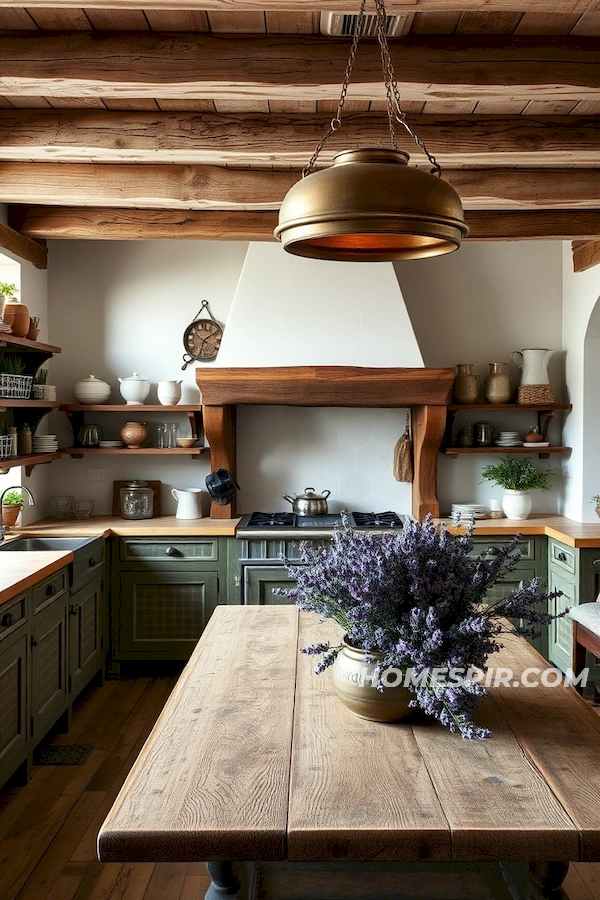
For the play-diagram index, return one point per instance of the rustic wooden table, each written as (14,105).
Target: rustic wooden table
(256,766)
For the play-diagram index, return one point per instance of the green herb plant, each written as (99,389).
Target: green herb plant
(8,290)
(13,498)
(11,365)
(41,377)
(517,473)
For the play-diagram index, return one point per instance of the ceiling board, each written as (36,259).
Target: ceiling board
(118,19)
(488,23)
(293,22)
(60,19)
(237,22)
(546,23)
(177,20)
(16,20)
(588,25)
(435,22)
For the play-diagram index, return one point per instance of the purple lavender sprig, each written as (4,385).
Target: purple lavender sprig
(419,598)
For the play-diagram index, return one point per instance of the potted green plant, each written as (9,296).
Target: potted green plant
(596,501)
(41,390)
(518,476)
(12,504)
(14,385)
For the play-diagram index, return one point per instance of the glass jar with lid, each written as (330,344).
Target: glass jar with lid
(137,499)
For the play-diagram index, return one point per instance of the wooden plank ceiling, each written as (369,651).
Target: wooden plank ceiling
(176,118)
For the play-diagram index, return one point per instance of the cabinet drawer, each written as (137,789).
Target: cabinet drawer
(493,544)
(12,614)
(563,557)
(201,550)
(49,589)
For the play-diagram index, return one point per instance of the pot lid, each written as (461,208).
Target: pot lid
(92,378)
(310,494)
(134,377)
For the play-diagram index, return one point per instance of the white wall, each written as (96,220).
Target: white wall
(476,306)
(118,307)
(581,330)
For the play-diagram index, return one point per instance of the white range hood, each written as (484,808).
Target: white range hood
(290,311)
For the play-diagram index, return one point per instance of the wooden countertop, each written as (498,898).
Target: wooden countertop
(18,571)
(169,526)
(574,534)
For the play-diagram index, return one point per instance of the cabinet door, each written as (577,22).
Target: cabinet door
(85,635)
(13,710)
(512,582)
(560,630)
(162,614)
(260,583)
(48,668)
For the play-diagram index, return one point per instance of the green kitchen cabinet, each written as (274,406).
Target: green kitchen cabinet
(49,686)
(576,572)
(86,639)
(163,593)
(13,692)
(260,583)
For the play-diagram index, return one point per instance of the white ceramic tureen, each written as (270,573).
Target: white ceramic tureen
(91,390)
(134,389)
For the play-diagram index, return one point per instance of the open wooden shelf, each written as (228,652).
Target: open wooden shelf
(25,344)
(130,407)
(520,407)
(35,459)
(542,452)
(31,404)
(128,451)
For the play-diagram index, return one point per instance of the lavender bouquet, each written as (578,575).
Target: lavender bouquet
(419,598)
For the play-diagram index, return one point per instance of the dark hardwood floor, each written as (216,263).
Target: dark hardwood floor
(48,828)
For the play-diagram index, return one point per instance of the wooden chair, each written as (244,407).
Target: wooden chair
(586,636)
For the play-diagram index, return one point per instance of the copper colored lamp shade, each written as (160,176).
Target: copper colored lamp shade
(370,206)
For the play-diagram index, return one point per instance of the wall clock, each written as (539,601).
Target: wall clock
(202,338)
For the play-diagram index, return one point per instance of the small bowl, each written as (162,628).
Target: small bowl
(186,443)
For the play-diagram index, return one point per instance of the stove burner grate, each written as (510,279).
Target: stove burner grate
(377,520)
(262,519)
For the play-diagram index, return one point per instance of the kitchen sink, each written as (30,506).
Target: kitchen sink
(47,543)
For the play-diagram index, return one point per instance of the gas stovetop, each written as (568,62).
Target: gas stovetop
(280,524)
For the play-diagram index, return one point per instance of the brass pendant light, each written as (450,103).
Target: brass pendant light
(370,206)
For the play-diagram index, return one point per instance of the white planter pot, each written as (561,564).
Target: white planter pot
(516,504)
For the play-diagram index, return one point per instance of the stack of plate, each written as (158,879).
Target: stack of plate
(509,439)
(469,511)
(110,445)
(45,443)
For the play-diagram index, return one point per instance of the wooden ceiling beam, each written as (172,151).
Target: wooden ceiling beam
(44,135)
(214,187)
(77,223)
(300,67)
(585,255)
(565,7)
(24,247)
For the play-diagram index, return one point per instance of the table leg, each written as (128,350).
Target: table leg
(535,880)
(224,881)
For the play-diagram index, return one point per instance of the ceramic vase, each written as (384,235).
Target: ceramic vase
(516,504)
(169,392)
(353,683)
(20,322)
(534,365)
(134,434)
(466,384)
(497,384)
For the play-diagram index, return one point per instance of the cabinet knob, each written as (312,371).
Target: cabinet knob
(34,642)
(492,551)
(7,620)
(561,556)
(91,562)
(172,551)
(50,590)
(72,610)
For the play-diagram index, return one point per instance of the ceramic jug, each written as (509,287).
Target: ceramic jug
(169,392)
(134,434)
(497,384)
(188,503)
(466,384)
(534,364)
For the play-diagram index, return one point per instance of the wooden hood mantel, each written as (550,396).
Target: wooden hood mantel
(426,391)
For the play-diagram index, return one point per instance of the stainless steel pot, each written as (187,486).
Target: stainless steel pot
(309,503)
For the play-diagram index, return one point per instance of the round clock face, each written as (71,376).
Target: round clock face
(202,339)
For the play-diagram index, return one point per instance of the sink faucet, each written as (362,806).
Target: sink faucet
(15,487)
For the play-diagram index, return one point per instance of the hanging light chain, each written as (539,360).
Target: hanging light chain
(336,122)
(393,102)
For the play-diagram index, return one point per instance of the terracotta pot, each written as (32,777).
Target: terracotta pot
(134,434)
(10,514)
(352,682)
(21,320)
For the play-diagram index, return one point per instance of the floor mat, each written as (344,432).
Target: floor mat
(62,754)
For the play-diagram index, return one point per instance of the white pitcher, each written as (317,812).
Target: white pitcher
(188,503)
(534,364)
(169,392)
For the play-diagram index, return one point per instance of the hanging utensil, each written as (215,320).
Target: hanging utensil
(403,464)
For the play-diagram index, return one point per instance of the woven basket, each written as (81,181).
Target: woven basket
(15,387)
(5,446)
(535,393)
